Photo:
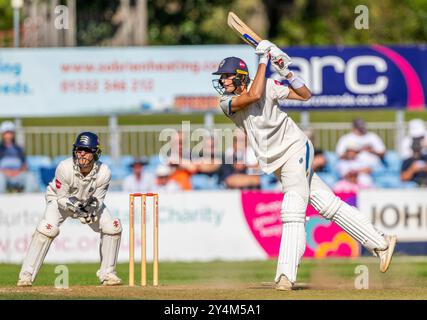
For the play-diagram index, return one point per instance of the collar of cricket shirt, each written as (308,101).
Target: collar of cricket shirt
(91,175)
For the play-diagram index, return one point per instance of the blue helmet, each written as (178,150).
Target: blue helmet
(90,141)
(232,65)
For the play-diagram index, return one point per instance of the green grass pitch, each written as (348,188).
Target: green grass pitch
(317,279)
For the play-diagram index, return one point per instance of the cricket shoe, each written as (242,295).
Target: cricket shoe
(110,279)
(25,280)
(284,284)
(386,255)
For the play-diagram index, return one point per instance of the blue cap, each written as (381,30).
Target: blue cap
(232,65)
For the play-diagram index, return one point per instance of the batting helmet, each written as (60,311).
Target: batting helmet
(90,142)
(232,65)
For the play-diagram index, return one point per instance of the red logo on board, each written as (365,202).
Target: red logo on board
(58,184)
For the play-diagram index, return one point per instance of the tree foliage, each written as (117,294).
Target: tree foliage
(6,15)
(286,22)
(325,22)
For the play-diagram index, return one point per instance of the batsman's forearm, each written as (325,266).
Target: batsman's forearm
(303,92)
(258,86)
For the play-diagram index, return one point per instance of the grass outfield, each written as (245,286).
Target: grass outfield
(318,116)
(317,279)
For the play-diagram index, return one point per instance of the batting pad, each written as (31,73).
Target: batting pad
(351,220)
(292,244)
(37,251)
(292,247)
(110,245)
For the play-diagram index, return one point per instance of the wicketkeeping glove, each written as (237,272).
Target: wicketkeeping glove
(88,211)
(73,204)
(84,211)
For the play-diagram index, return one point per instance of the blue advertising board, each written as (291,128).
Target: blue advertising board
(360,77)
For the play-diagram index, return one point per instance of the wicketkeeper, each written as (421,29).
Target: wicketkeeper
(283,149)
(77,191)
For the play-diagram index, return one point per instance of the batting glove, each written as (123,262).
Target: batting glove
(282,72)
(279,58)
(264,47)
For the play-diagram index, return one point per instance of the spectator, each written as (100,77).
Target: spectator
(371,147)
(242,150)
(138,180)
(180,163)
(209,160)
(415,168)
(13,166)
(353,170)
(319,159)
(164,183)
(237,176)
(416,130)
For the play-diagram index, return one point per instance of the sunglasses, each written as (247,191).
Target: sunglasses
(87,150)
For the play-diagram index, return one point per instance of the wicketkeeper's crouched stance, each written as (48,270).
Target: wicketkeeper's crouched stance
(78,191)
(283,149)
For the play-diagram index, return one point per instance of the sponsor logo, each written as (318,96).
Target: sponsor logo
(84,139)
(57,184)
(324,238)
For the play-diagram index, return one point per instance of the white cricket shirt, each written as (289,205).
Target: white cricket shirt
(272,134)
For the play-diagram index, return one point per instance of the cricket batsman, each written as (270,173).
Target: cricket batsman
(283,149)
(77,191)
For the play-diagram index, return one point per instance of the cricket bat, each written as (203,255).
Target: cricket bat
(246,33)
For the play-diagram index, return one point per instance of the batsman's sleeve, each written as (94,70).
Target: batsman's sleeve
(277,90)
(62,185)
(225,104)
(103,185)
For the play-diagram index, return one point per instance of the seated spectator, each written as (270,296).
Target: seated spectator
(371,147)
(319,160)
(13,166)
(237,176)
(209,160)
(352,169)
(415,168)
(138,180)
(163,182)
(350,183)
(416,130)
(180,162)
(240,149)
